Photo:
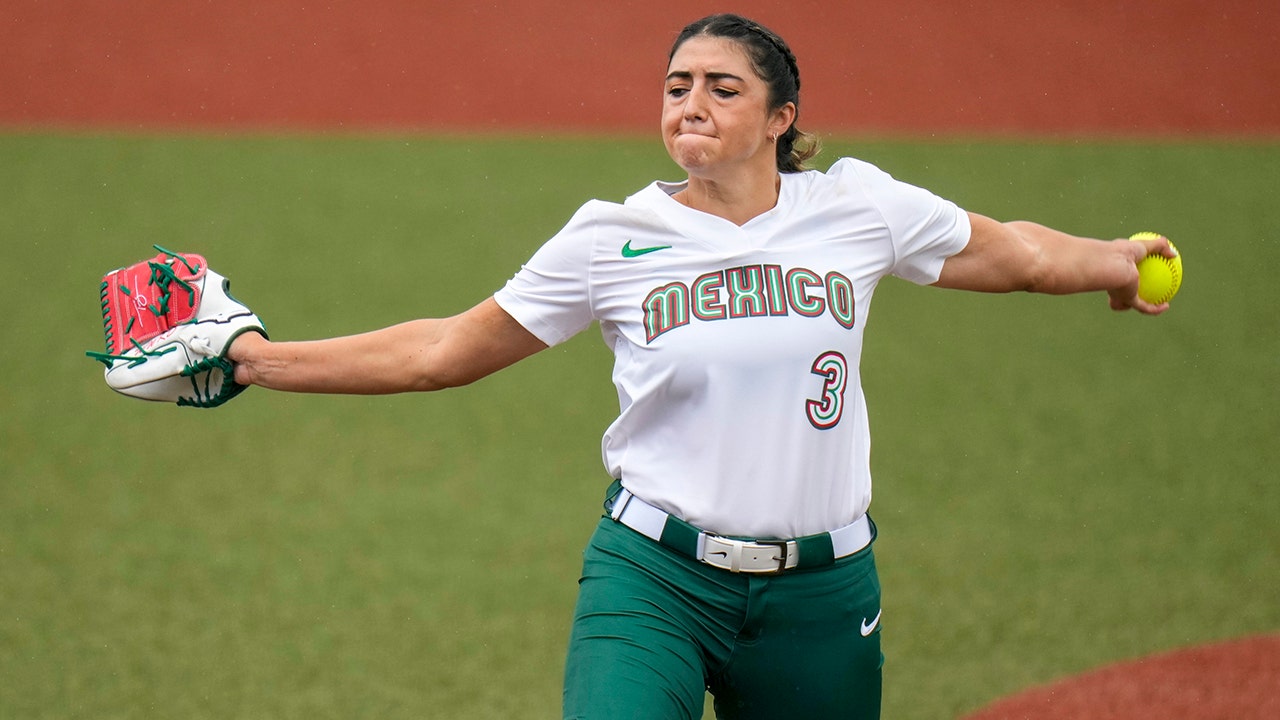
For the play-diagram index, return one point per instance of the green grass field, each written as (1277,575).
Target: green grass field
(1058,486)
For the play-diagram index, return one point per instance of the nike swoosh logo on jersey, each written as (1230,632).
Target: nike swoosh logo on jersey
(630,252)
(868,628)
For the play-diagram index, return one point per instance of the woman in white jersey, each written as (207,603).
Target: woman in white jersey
(735,552)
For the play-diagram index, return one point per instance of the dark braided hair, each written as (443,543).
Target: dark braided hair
(775,64)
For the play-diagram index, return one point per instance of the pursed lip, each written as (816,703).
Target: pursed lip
(694,133)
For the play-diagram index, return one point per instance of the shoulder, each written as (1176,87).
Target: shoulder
(878,186)
(848,185)
(643,207)
(852,171)
(844,174)
(588,220)
(597,221)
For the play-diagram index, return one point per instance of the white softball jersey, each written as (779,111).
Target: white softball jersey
(737,347)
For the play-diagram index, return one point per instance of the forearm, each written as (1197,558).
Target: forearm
(1025,256)
(1062,264)
(391,360)
(428,354)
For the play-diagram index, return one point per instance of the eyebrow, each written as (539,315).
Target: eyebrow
(686,75)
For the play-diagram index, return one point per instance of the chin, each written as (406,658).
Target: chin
(690,153)
(692,165)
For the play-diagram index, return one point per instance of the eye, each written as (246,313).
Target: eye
(677,92)
(724,92)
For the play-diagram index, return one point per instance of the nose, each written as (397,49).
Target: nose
(695,105)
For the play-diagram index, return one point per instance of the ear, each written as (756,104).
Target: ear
(780,120)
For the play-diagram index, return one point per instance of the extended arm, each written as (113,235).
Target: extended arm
(1023,256)
(429,354)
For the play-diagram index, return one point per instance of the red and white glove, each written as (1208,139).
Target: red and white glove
(168,323)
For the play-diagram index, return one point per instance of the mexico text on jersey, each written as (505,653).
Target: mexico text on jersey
(748,291)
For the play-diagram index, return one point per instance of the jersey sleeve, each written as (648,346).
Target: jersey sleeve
(925,229)
(551,295)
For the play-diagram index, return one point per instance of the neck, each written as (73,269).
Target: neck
(737,201)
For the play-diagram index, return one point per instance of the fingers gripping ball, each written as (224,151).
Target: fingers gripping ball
(169,322)
(1159,277)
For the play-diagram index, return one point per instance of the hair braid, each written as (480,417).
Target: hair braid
(782,49)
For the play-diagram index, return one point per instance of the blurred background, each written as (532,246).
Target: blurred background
(909,67)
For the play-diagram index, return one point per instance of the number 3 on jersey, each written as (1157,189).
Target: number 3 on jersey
(825,413)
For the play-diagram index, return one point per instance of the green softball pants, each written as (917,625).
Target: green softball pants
(654,630)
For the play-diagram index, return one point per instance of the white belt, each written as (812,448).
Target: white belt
(748,556)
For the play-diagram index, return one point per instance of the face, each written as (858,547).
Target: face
(715,113)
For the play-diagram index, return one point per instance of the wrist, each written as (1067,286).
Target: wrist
(243,352)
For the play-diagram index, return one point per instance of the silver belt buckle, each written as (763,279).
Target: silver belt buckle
(764,557)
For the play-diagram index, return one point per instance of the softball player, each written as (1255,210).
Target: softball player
(735,551)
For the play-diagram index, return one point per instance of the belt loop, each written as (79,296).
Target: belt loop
(816,550)
(681,536)
(620,503)
(610,495)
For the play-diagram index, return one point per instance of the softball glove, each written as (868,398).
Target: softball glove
(168,323)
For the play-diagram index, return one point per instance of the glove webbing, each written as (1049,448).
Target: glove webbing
(162,276)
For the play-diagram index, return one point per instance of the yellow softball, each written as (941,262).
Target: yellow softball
(1159,277)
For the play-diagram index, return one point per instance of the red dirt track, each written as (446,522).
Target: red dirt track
(907,67)
(1150,68)
(1236,680)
